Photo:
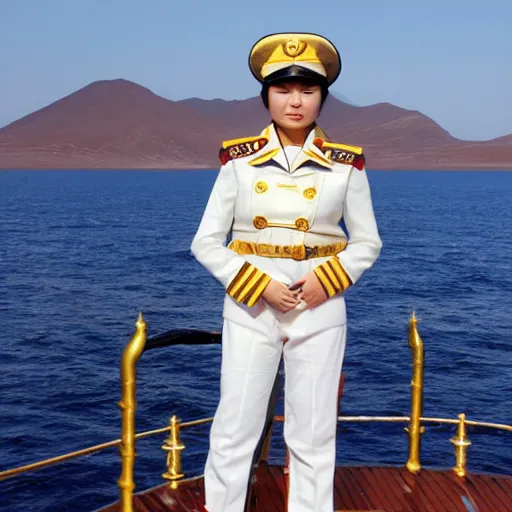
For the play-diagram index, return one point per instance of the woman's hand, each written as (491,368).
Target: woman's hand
(313,293)
(278,296)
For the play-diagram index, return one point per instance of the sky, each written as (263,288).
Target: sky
(449,59)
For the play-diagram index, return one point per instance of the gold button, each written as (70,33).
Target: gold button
(302,224)
(261,187)
(310,193)
(260,222)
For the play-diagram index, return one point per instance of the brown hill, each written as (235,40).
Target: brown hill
(240,117)
(110,124)
(118,124)
(375,125)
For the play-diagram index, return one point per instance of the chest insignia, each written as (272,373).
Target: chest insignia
(237,148)
(341,153)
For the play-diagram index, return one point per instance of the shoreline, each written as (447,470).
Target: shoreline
(196,169)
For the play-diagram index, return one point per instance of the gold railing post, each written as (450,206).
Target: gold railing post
(415,430)
(461,442)
(128,405)
(173,446)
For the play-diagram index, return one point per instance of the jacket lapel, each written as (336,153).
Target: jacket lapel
(311,153)
(273,150)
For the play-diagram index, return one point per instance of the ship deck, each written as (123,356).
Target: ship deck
(375,489)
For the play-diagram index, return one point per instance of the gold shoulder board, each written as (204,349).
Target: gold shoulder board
(237,148)
(342,153)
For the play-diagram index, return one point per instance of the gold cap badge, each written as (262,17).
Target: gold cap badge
(294,47)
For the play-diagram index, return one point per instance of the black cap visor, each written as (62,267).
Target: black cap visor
(295,72)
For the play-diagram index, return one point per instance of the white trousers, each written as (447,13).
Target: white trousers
(250,360)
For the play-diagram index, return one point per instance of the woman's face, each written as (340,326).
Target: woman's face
(294,104)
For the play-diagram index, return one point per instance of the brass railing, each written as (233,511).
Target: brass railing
(174,447)
(11,473)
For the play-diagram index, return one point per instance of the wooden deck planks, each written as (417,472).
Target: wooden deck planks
(385,478)
(268,491)
(357,492)
(402,491)
(505,485)
(489,491)
(281,481)
(420,497)
(388,489)
(384,495)
(445,496)
(342,492)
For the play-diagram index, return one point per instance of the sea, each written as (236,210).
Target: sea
(83,252)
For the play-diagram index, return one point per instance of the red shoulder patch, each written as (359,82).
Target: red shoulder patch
(241,149)
(359,162)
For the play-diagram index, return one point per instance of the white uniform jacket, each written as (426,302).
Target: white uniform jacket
(278,216)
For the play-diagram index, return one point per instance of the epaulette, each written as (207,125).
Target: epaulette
(238,148)
(341,153)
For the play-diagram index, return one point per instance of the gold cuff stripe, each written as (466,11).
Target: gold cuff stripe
(248,285)
(333,277)
(324,280)
(341,273)
(239,279)
(258,290)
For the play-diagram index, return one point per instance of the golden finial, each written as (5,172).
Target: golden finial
(461,442)
(173,446)
(140,323)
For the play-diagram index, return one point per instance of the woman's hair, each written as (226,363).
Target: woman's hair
(324,90)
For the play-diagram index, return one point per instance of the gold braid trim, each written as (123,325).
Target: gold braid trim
(343,147)
(235,142)
(332,276)
(296,252)
(248,285)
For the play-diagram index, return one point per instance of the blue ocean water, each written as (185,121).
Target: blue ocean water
(82,252)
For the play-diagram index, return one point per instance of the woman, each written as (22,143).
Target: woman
(282,195)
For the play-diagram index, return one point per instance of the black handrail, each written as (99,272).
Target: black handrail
(183,337)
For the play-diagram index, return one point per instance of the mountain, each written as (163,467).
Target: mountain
(118,125)
(110,124)
(239,117)
(361,126)
(342,97)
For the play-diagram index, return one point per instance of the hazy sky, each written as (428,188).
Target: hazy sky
(450,59)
